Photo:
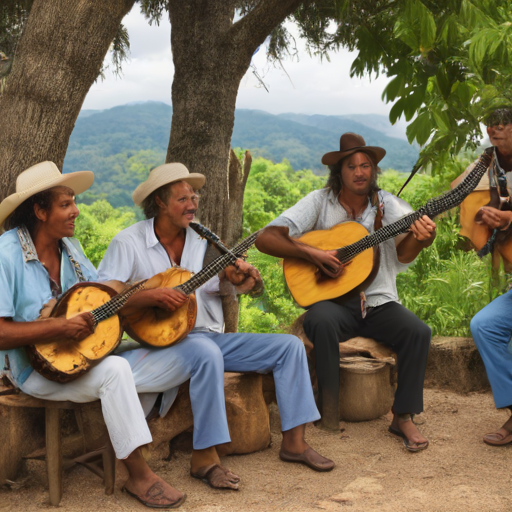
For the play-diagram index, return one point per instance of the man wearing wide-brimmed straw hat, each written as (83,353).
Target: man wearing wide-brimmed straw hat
(38,261)
(169,200)
(352,194)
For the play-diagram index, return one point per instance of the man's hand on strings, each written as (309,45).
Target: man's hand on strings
(424,230)
(327,262)
(494,218)
(244,276)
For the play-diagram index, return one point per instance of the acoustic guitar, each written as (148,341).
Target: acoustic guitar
(63,361)
(354,244)
(157,327)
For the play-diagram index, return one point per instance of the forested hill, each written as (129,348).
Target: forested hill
(121,143)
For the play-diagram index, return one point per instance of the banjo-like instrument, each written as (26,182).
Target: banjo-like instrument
(63,360)
(354,244)
(160,328)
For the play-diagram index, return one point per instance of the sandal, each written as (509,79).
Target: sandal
(497,438)
(155,497)
(310,458)
(214,473)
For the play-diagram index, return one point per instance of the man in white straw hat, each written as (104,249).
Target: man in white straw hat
(169,200)
(352,194)
(38,261)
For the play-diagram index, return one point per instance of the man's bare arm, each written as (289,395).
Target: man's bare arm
(275,241)
(18,334)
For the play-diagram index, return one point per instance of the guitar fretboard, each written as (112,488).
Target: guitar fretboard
(112,306)
(432,208)
(217,265)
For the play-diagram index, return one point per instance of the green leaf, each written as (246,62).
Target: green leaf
(396,111)
(393,89)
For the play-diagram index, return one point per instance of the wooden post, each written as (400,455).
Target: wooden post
(109,468)
(53,455)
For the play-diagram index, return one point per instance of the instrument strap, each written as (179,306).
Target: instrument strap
(76,266)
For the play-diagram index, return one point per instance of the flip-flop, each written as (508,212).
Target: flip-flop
(414,448)
(497,439)
(306,458)
(155,491)
(208,477)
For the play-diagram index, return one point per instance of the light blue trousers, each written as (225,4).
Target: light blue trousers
(203,357)
(491,329)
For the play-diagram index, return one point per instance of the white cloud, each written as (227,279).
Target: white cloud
(313,86)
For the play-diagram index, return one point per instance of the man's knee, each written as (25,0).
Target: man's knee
(115,368)
(208,357)
(479,325)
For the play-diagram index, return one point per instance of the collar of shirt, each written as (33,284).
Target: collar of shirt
(363,218)
(151,239)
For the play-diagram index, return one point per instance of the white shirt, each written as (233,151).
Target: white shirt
(321,209)
(135,254)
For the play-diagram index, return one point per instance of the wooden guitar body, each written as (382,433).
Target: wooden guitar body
(480,233)
(63,361)
(157,327)
(308,285)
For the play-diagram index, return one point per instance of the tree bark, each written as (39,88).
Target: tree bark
(58,58)
(211,55)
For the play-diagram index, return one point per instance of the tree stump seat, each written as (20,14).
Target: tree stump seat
(53,442)
(367,375)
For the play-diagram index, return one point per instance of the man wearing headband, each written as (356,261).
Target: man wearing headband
(492,326)
(38,261)
(352,194)
(169,201)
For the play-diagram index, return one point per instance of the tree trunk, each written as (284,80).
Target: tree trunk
(58,58)
(211,55)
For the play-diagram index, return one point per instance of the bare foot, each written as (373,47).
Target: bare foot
(153,491)
(405,428)
(308,457)
(217,476)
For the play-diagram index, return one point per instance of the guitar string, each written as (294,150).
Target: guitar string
(432,208)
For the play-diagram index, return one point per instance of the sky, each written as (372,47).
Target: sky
(311,87)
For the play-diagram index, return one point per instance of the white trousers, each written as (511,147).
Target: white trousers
(112,382)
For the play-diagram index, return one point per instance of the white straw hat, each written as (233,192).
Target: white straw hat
(41,177)
(163,175)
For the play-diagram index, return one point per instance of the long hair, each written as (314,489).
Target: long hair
(25,215)
(335,183)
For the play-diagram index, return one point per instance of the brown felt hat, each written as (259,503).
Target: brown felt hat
(352,143)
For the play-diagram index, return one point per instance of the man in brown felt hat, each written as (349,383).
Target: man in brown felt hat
(352,194)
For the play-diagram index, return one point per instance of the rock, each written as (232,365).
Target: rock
(455,363)
(247,413)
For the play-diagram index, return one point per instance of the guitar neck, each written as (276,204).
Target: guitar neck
(432,208)
(111,307)
(217,265)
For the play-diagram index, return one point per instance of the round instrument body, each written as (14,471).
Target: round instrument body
(479,233)
(157,327)
(308,285)
(63,361)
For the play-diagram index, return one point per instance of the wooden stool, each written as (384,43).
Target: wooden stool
(54,447)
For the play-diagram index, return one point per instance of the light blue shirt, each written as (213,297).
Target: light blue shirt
(25,288)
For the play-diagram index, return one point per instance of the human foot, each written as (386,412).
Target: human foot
(154,492)
(308,457)
(403,426)
(217,477)
(502,436)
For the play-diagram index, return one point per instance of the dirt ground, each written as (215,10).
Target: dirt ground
(374,472)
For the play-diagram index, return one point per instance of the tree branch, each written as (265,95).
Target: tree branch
(254,27)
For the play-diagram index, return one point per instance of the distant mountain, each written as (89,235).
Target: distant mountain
(118,142)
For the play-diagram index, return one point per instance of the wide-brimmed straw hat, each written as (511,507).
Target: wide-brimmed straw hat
(41,177)
(163,175)
(352,143)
